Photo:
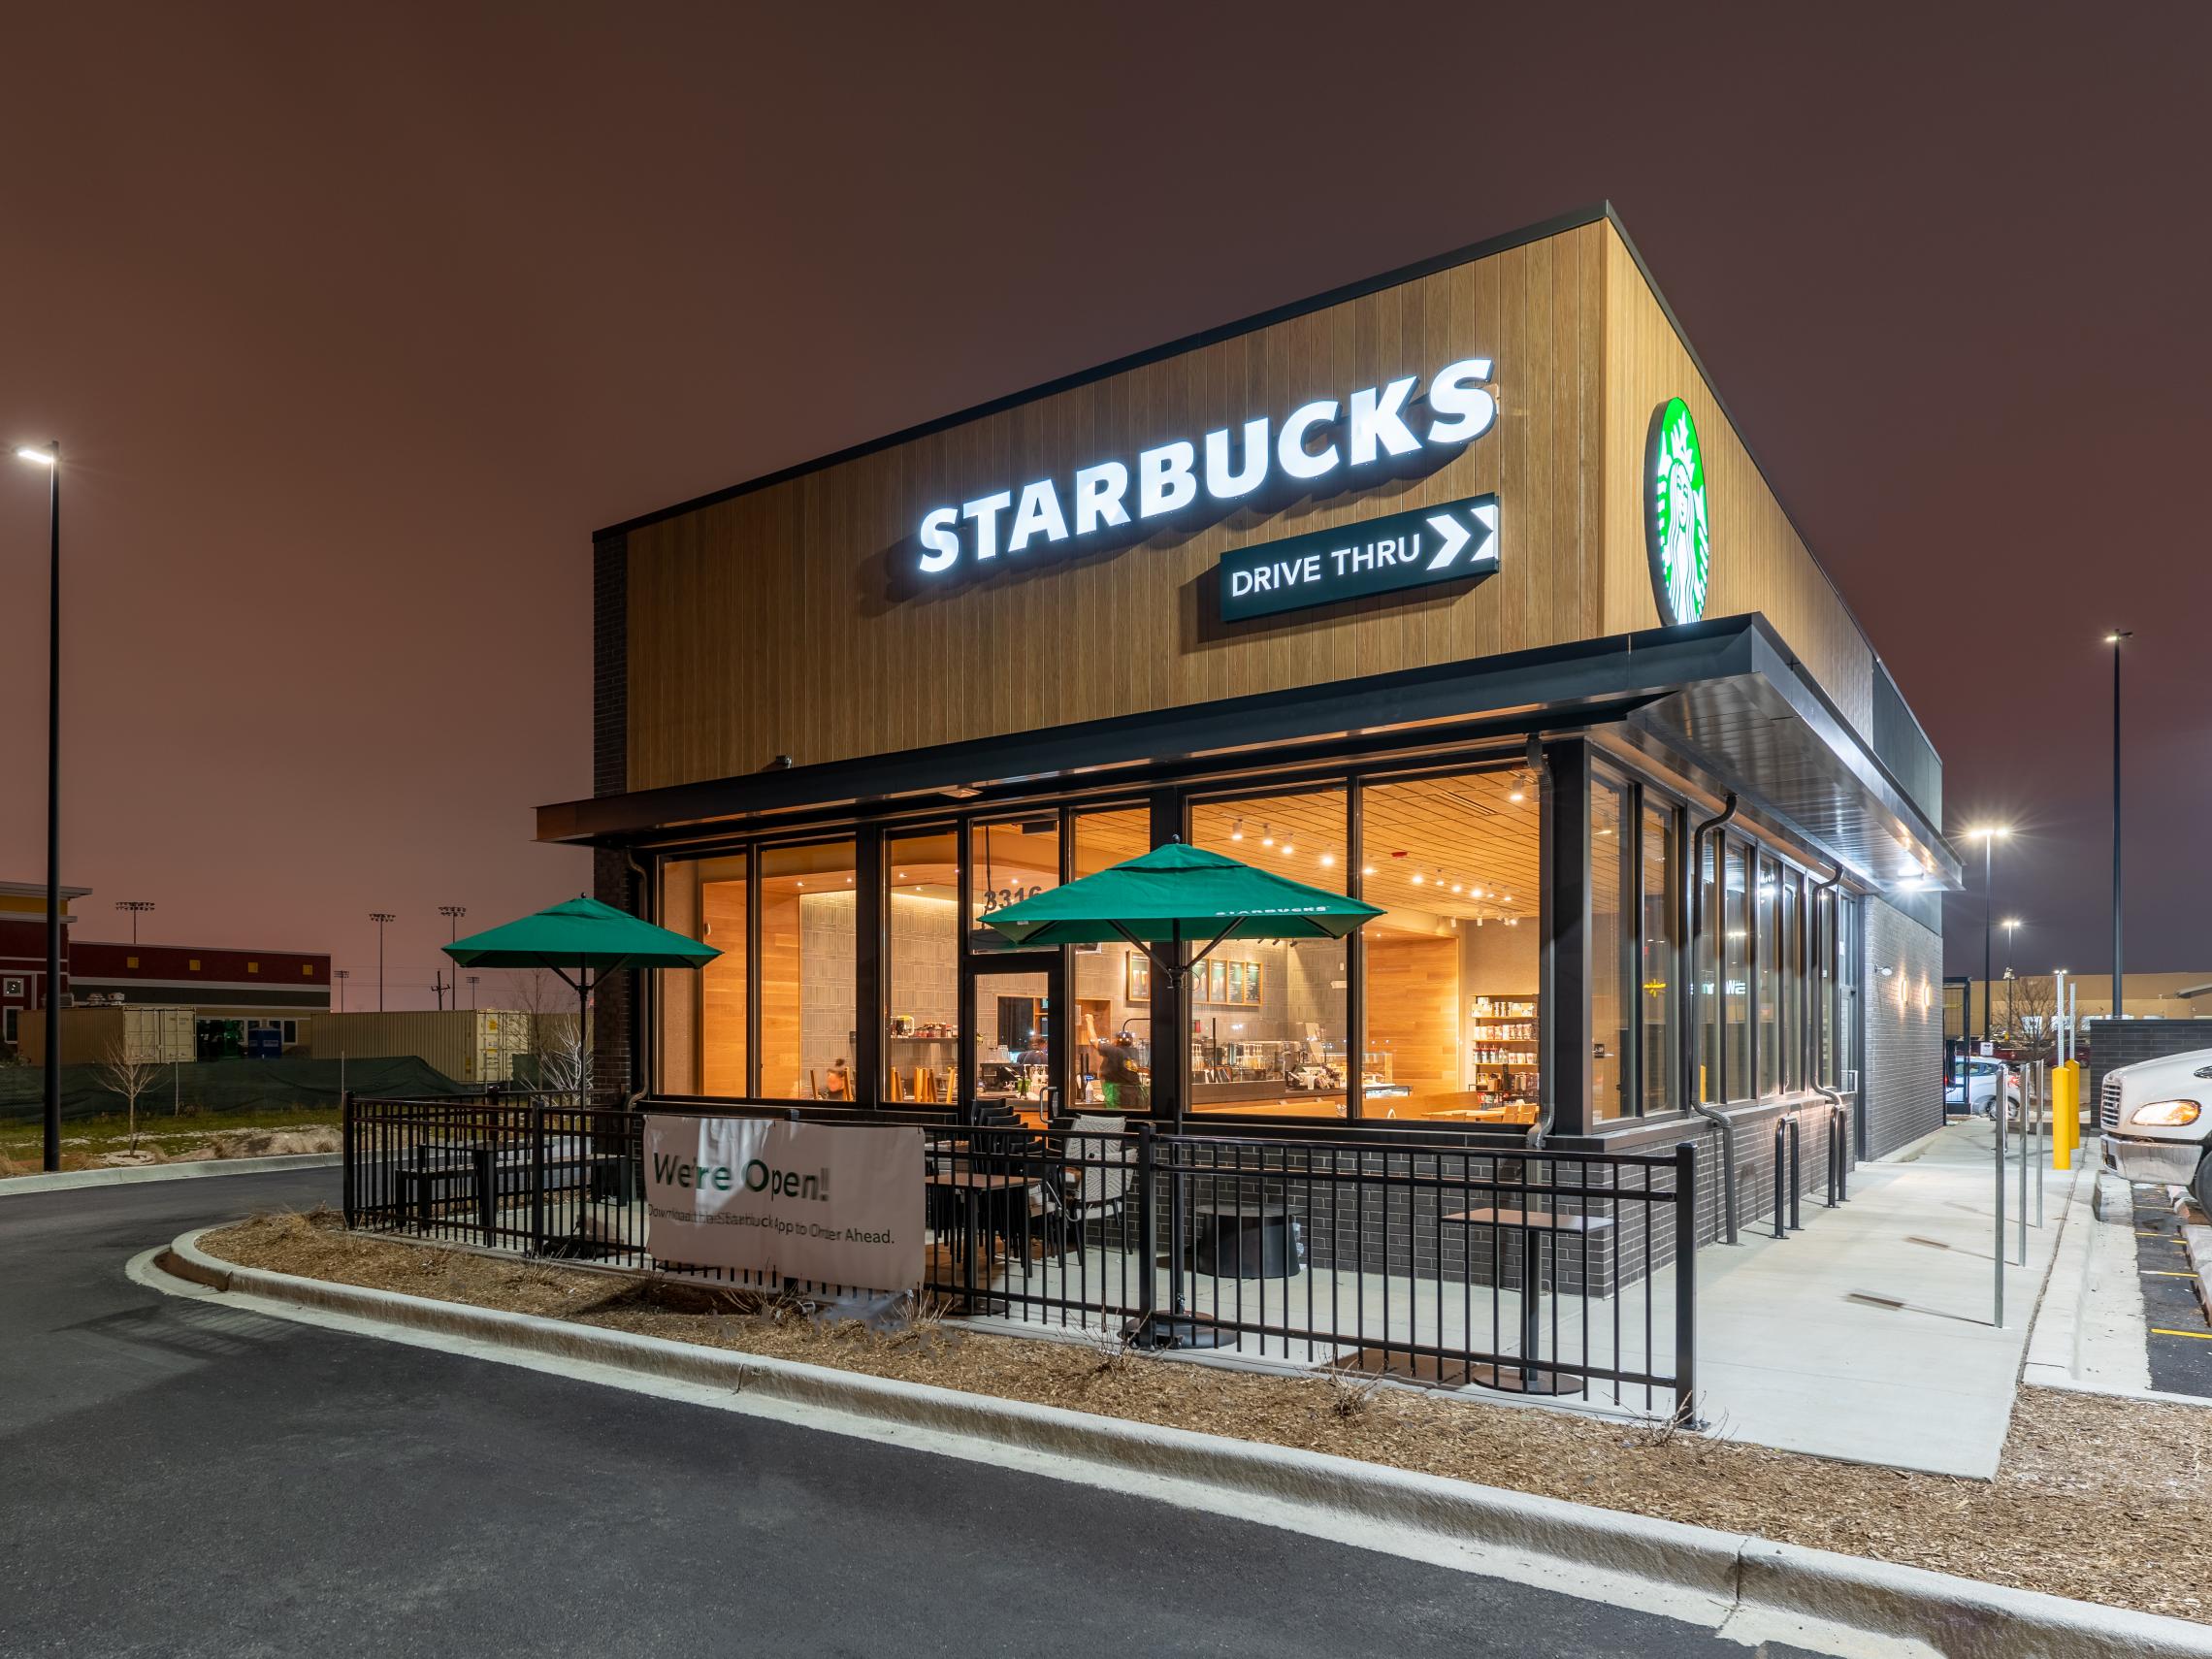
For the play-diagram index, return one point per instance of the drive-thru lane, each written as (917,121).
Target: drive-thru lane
(184,1478)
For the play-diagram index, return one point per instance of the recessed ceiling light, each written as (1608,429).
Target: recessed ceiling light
(1327,859)
(1516,798)
(1288,849)
(1418,878)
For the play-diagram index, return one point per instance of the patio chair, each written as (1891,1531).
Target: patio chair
(1096,1187)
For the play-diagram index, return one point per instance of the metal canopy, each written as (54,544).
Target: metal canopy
(1721,700)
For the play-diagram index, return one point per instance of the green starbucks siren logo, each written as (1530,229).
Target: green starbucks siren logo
(1676,530)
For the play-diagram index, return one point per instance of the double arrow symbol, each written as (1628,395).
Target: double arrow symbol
(1478,543)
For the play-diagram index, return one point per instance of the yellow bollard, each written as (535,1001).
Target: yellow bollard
(2065,1108)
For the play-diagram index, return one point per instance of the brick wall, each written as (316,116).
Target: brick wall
(2114,1043)
(1902,1085)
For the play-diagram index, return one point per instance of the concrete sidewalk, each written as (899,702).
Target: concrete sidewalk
(1868,1336)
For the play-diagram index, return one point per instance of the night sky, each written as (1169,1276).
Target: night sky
(354,322)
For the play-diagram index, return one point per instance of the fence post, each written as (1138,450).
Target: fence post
(536,1121)
(1685,1283)
(1148,1281)
(345,1155)
(1997,1119)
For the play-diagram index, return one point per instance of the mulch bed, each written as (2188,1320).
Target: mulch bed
(2096,1498)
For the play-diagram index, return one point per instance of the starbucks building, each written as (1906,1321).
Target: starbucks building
(1457,590)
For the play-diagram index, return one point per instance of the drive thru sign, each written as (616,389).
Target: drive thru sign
(1455,542)
(834,1204)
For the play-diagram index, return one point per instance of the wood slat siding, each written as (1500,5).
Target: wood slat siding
(761,624)
(1758,562)
(766,625)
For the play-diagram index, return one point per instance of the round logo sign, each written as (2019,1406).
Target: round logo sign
(1676,530)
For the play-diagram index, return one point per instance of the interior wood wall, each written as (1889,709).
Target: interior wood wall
(766,625)
(1412,1001)
(782,1014)
(720,992)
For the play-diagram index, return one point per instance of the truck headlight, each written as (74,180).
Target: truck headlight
(2170,1113)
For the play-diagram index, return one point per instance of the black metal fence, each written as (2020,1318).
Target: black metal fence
(1553,1273)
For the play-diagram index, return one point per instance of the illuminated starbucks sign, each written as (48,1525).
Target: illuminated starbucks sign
(1677,530)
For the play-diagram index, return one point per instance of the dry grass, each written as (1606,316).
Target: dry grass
(2096,1498)
(104,1143)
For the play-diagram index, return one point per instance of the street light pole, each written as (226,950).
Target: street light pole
(50,459)
(380,917)
(2115,639)
(344,974)
(1988,835)
(137,909)
(453,914)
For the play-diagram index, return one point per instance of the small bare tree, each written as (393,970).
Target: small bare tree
(565,1061)
(549,1004)
(2026,1010)
(123,1070)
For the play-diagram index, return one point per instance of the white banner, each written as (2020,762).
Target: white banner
(832,1204)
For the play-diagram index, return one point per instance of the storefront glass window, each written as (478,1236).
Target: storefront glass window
(1660,903)
(1267,1017)
(1012,1036)
(922,1046)
(1113,982)
(1735,974)
(1850,1012)
(1450,965)
(1009,860)
(700,1015)
(1610,881)
(1792,1023)
(1824,967)
(1707,970)
(1767,1008)
(805,972)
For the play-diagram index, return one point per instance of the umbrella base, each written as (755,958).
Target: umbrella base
(1176,1330)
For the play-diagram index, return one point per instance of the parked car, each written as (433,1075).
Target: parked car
(2156,1118)
(1976,1093)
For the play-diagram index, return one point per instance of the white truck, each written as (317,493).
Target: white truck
(2155,1122)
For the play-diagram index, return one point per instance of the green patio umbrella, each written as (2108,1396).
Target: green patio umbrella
(1177,895)
(1172,896)
(582,934)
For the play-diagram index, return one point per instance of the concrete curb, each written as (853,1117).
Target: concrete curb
(126,1175)
(1748,1588)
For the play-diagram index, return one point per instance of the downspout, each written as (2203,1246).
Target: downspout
(1838,1117)
(1690,1090)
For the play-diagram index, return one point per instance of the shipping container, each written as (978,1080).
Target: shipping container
(473,1046)
(147,1034)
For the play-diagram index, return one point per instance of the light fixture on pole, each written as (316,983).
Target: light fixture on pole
(380,917)
(2011,926)
(2115,638)
(1988,835)
(137,908)
(344,974)
(50,459)
(452,914)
